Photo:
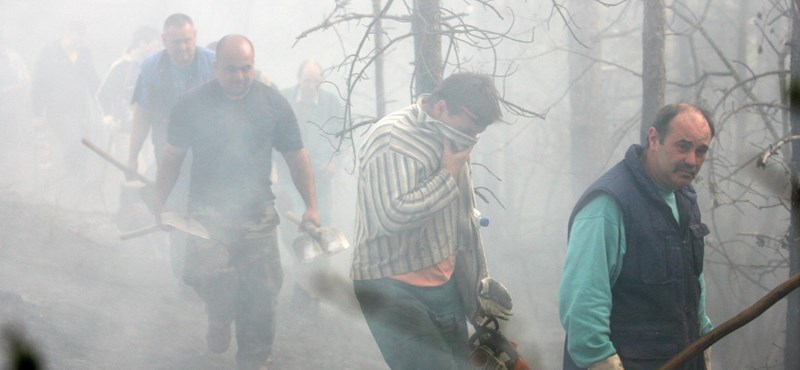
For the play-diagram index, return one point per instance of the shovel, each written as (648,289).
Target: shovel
(317,241)
(122,167)
(175,220)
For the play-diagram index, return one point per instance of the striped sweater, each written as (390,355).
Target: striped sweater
(411,213)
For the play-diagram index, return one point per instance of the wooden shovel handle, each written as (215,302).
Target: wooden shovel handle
(140,232)
(115,162)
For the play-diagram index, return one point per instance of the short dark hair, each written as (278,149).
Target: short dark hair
(473,91)
(177,20)
(668,112)
(143,35)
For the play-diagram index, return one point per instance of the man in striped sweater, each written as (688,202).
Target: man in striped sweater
(418,267)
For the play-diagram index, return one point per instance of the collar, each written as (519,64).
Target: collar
(298,97)
(459,139)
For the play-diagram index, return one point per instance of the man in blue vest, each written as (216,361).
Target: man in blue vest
(632,292)
(165,77)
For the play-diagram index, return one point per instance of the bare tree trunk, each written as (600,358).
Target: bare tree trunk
(426,24)
(653,69)
(380,97)
(792,348)
(588,127)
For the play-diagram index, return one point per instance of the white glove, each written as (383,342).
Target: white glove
(707,358)
(494,299)
(611,363)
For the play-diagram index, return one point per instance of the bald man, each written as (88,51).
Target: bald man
(231,125)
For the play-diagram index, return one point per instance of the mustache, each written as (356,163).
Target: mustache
(685,167)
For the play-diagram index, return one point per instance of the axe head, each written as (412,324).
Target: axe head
(306,248)
(332,240)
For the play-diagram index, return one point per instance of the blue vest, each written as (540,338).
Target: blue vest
(656,297)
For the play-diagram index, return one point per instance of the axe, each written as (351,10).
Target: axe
(316,241)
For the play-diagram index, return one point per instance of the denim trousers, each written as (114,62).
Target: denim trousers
(415,327)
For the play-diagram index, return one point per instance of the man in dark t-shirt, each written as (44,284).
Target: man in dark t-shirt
(231,125)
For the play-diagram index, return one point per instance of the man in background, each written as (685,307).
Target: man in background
(319,115)
(114,96)
(63,88)
(165,77)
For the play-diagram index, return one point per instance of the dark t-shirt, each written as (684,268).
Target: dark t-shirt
(231,143)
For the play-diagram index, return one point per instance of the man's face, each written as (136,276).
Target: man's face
(310,79)
(461,119)
(181,43)
(151,47)
(235,69)
(72,40)
(676,162)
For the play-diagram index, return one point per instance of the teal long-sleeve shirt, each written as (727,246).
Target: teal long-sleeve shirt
(594,260)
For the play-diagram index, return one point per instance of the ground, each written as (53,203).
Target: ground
(86,300)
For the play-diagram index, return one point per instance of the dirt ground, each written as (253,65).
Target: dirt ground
(87,300)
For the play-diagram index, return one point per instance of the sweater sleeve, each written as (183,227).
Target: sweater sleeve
(705,322)
(400,196)
(594,260)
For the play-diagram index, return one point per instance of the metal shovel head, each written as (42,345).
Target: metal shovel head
(332,240)
(306,248)
(185,223)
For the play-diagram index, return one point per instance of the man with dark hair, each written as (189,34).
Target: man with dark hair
(419,270)
(114,96)
(231,126)
(165,77)
(63,87)
(632,292)
(116,90)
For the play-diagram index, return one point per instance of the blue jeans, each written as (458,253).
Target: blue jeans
(415,327)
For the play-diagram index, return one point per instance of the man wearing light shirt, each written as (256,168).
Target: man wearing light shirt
(419,270)
(632,292)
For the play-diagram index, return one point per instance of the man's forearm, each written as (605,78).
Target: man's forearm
(302,176)
(399,199)
(167,174)
(139,130)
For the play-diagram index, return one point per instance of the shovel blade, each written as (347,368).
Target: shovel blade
(186,224)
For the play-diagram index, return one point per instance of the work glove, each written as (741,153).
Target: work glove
(611,363)
(494,299)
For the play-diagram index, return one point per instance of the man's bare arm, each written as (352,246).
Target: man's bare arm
(168,171)
(303,178)
(142,121)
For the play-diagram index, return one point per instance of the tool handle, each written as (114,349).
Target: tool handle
(114,162)
(308,226)
(140,232)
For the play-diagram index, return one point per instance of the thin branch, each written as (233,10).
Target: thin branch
(764,157)
(735,323)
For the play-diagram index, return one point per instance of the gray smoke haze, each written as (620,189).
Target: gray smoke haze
(523,167)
